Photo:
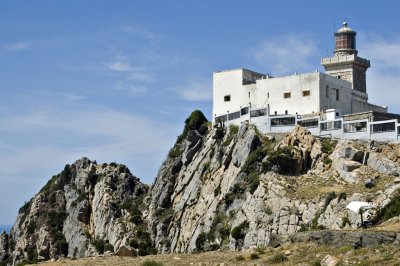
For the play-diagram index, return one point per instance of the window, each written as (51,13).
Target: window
(308,123)
(286,112)
(339,77)
(283,121)
(337,94)
(227,98)
(327,91)
(384,127)
(306,93)
(249,94)
(287,95)
(276,112)
(268,95)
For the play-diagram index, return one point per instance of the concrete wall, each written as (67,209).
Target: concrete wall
(271,91)
(227,83)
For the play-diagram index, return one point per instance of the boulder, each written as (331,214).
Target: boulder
(329,260)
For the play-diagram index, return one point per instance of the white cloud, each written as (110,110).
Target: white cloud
(195,91)
(286,54)
(120,64)
(139,31)
(18,46)
(72,96)
(134,90)
(383,78)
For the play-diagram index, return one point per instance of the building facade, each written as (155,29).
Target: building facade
(242,95)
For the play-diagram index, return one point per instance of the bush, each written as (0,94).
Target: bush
(31,227)
(283,159)
(391,210)
(217,190)
(25,208)
(229,198)
(328,145)
(99,245)
(108,247)
(32,254)
(152,263)
(279,258)
(239,232)
(252,161)
(200,241)
(233,130)
(254,182)
(62,247)
(240,258)
(254,256)
(331,196)
(137,219)
(175,152)
(196,121)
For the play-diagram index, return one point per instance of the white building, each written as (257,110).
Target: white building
(242,95)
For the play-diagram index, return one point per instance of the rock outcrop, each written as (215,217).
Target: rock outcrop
(224,188)
(83,211)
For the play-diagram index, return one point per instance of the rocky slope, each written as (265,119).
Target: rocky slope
(85,210)
(226,188)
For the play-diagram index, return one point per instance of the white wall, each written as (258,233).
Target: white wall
(227,83)
(295,84)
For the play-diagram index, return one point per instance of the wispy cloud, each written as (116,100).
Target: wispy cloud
(383,78)
(134,90)
(196,90)
(120,63)
(139,31)
(286,54)
(17,46)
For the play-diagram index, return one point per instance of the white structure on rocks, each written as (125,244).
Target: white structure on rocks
(276,104)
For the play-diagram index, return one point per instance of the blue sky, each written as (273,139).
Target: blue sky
(115,80)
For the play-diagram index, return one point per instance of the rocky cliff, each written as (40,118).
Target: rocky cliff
(225,188)
(86,210)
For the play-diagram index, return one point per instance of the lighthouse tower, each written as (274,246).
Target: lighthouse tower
(345,63)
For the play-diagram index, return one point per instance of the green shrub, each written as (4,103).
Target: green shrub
(279,258)
(317,263)
(196,121)
(254,256)
(152,263)
(229,198)
(99,245)
(240,258)
(345,220)
(25,208)
(175,152)
(113,164)
(108,247)
(254,182)
(252,161)
(200,241)
(62,246)
(233,130)
(283,159)
(328,145)
(32,253)
(391,210)
(217,190)
(30,229)
(331,196)
(137,219)
(134,243)
(239,232)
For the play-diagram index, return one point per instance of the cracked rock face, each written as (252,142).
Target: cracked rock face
(210,205)
(77,208)
(218,189)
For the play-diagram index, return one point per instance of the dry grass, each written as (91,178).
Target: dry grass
(297,254)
